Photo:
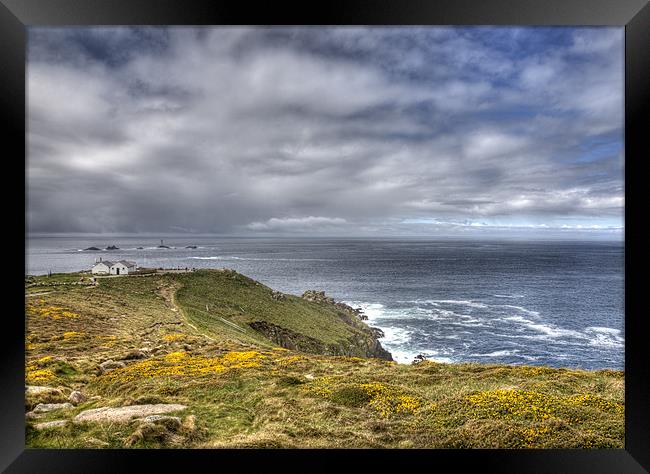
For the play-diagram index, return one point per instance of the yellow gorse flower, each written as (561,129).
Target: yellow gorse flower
(508,404)
(385,399)
(38,375)
(284,361)
(54,312)
(587,399)
(182,364)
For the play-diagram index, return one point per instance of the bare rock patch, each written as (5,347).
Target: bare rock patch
(125,414)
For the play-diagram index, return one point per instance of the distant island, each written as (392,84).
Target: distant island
(212,358)
(114,247)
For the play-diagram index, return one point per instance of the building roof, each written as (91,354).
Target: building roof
(126,263)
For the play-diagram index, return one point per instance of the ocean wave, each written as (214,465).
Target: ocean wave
(547,329)
(372,310)
(593,335)
(605,337)
(406,356)
(256,259)
(501,353)
(217,257)
(437,303)
(377,311)
(418,302)
(470,303)
(395,336)
(518,308)
(614,332)
(464,322)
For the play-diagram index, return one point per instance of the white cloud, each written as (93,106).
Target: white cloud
(228,128)
(297,223)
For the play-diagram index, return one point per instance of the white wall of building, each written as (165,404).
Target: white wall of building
(100,268)
(120,269)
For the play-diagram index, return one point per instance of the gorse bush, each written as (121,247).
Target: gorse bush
(187,339)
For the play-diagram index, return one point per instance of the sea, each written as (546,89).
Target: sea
(554,303)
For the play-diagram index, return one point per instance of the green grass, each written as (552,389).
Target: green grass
(242,391)
(223,302)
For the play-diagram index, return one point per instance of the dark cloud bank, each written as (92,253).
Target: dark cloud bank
(315,131)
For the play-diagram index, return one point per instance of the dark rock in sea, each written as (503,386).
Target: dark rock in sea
(190,246)
(140,248)
(163,247)
(92,248)
(112,247)
(419,358)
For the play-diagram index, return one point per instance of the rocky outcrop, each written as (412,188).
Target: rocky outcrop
(48,407)
(367,342)
(109,365)
(50,424)
(287,338)
(76,397)
(170,422)
(277,295)
(165,429)
(317,297)
(320,297)
(361,344)
(418,358)
(125,414)
(39,390)
(134,355)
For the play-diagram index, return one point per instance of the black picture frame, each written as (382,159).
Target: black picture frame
(634,15)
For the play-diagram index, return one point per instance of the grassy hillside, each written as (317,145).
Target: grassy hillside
(189,339)
(225,302)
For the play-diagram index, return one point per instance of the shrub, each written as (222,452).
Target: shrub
(351,396)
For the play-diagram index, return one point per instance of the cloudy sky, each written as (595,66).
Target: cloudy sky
(326,131)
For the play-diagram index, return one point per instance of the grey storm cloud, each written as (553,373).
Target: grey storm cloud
(334,130)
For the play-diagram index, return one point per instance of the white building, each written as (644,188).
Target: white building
(103,267)
(123,267)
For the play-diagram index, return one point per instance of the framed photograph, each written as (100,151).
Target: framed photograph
(360,232)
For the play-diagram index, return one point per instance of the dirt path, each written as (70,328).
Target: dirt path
(169,294)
